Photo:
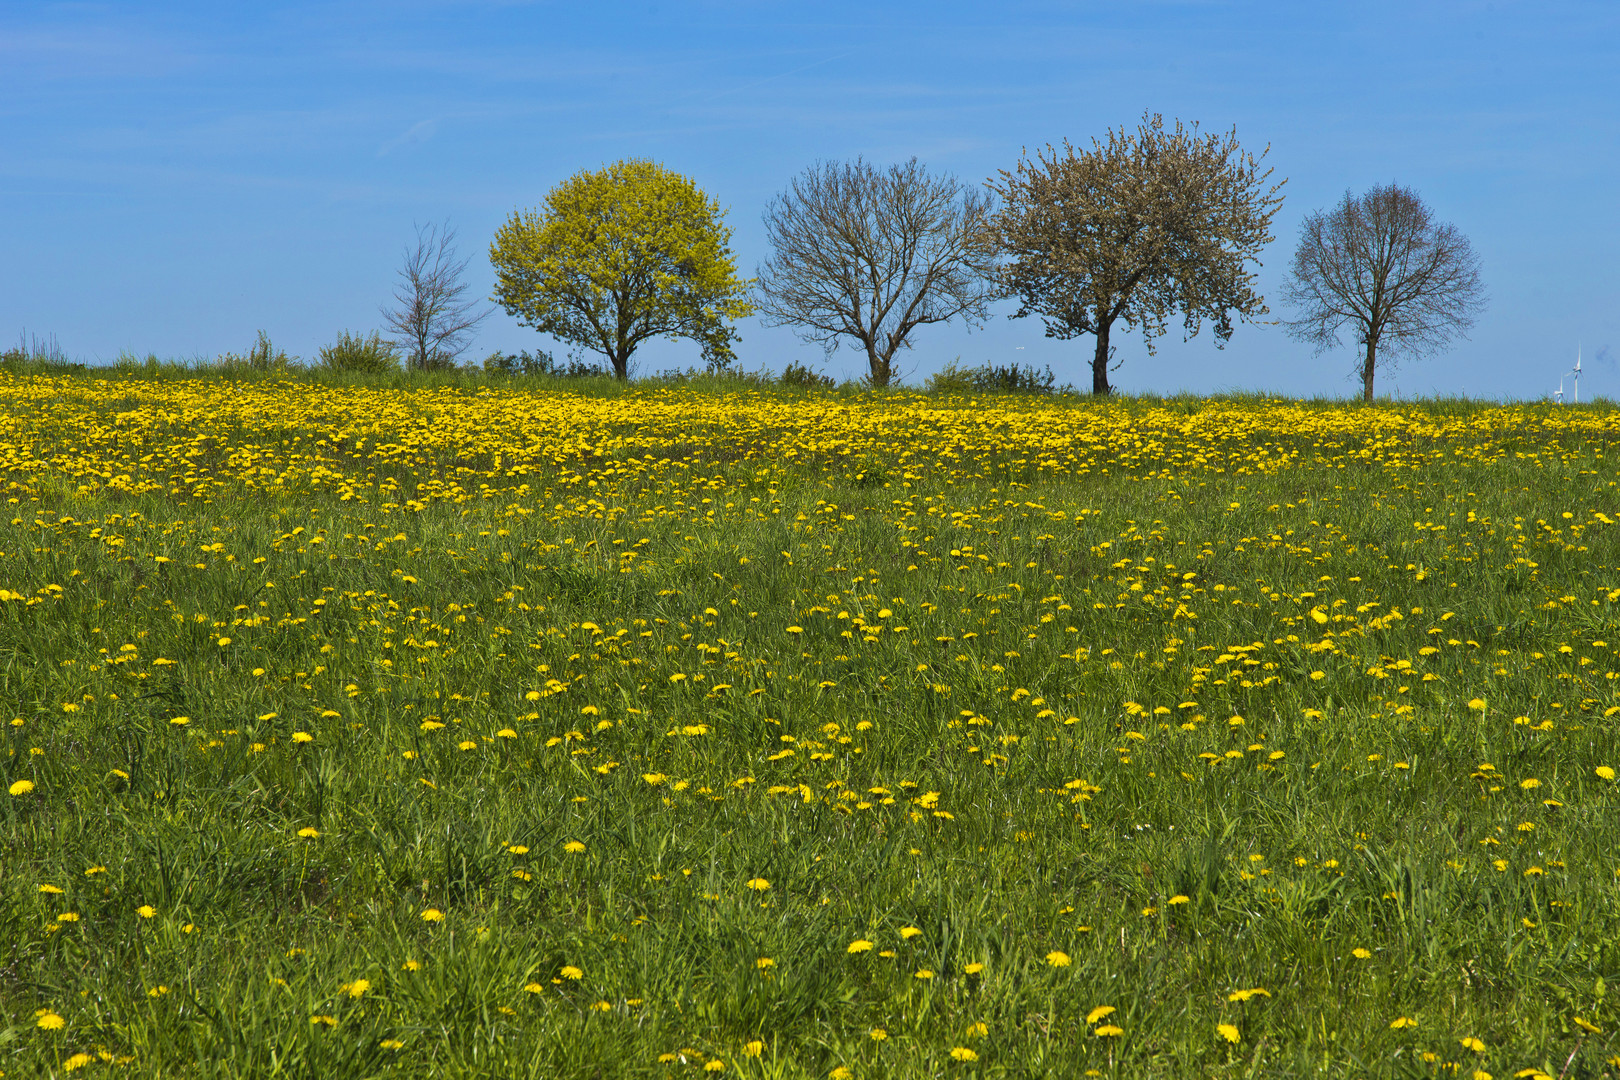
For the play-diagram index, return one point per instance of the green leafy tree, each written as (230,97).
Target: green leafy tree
(616,256)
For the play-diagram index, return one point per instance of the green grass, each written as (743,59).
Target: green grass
(1306,799)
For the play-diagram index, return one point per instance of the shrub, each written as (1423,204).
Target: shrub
(1007,378)
(540,364)
(351,352)
(31,353)
(263,356)
(953,378)
(797,374)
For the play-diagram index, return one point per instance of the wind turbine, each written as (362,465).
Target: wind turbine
(1576,372)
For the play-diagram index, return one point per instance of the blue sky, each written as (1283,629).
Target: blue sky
(176,176)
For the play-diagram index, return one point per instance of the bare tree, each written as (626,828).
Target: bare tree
(1381,264)
(432,317)
(872,255)
(1150,223)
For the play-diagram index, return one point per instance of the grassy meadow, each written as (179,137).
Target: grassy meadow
(471,728)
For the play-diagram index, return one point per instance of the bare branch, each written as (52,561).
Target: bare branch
(871,256)
(432,317)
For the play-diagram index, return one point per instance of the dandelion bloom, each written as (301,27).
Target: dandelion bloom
(1099,1013)
(1058,959)
(909,932)
(1530,783)
(22,787)
(1402,1022)
(924,973)
(309,831)
(1477,704)
(1603,771)
(77,1061)
(714,1065)
(973,969)
(1179,899)
(753,1049)
(764,963)
(1108,1031)
(302,737)
(433,914)
(180,721)
(1360,954)
(49,1021)
(758,884)
(573,847)
(506,733)
(963,1053)
(860,946)
(1229,1032)
(1471,1043)
(569,971)
(878,1034)
(535,988)
(146,911)
(357,988)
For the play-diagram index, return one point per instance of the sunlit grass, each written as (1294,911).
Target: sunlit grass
(453,728)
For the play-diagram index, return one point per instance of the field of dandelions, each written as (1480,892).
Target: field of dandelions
(476,729)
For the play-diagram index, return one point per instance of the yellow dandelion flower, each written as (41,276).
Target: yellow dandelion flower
(433,914)
(21,787)
(1099,1013)
(1058,959)
(569,971)
(573,847)
(758,884)
(1229,1032)
(49,1021)
(964,1053)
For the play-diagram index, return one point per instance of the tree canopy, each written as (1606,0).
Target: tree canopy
(870,255)
(1153,222)
(619,255)
(1380,264)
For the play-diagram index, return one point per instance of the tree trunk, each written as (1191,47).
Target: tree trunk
(1099,362)
(1367,371)
(621,364)
(879,367)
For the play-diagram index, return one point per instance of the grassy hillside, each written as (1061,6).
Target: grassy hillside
(459,728)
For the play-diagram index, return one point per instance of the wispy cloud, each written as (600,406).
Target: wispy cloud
(417,133)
